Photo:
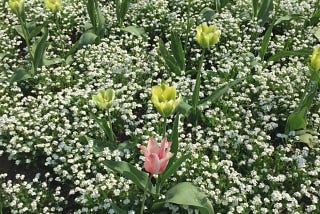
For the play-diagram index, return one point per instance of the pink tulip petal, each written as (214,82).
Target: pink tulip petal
(153,147)
(152,164)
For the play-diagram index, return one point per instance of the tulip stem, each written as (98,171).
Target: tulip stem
(145,194)
(57,22)
(164,127)
(196,91)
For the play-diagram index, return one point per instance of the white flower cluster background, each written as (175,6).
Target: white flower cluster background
(240,157)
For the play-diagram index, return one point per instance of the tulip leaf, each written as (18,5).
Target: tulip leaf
(284,54)
(20,74)
(265,9)
(117,209)
(48,62)
(265,41)
(255,4)
(137,31)
(177,50)
(172,168)
(220,91)
(170,61)
(32,29)
(104,126)
(130,172)
(307,139)
(39,49)
(122,7)
(207,13)
(184,108)
(86,38)
(96,17)
(317,34)
(314,20)
(186,193)
(297,119)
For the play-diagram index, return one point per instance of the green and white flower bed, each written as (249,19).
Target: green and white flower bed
(241,156)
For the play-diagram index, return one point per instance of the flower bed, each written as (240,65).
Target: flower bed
(87,85)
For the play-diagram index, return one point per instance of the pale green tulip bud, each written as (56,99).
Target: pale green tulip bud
(104,99)
(53,5)
(164,99)
(207,36)
(315,59)
(16,6)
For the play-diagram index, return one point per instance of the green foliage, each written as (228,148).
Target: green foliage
(122,7)
(39,48)
(262,9)
(283,54)
(207,13)
(174,60)
(187,194)
(96,17)
(137,31)
(20,74)
(105,127)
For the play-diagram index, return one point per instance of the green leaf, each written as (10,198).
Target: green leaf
(265,42)
(31,28)
(314,19)
(137,31)
(207,13)
(184,108)
(40,49)
(265,9)
(175,135)
(20,74)
(130,172)
(296,121)
(186,193)
(177,50)
(86,38)
(307,139)
(317,34)
(255,4)
(174,167)
(220,91)
(117,209)
(104,126)
(48,62)
(170,61)
(124,8)
(285,54)
(288,18)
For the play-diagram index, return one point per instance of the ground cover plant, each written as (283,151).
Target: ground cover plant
(159,106)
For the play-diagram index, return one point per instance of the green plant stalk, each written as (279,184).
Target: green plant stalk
(27,38)
(110,124)
(188,25)
(145,194)
(164,127)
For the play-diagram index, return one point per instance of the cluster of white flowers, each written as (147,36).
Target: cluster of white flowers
(239,158)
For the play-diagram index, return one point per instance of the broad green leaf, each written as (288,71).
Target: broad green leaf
(288,18)
(284,54)
(124,8)
(296,121)
(177,50)
(184,108)
(207,13)
(86,38)
(265,42)
(40,49)
(48,62)
(307,139)
(314,19)
(20,74)
(221,91)
(137,31)
(186,193)
(130,172)
(170,61)
(2,55)
(91,9)
(104,126)
(265,9)
(31,26)
(317,34)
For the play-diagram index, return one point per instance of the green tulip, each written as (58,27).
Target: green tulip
(53,5)
(104,99)
(207,35)
(164,99)
(16,6)
(315,59)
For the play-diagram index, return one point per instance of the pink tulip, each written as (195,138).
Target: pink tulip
(157,157)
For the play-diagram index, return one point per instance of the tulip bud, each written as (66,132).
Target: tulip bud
(207,35)
(156,157)
(53,5)
(164,99)
(104,99)
(315,59)
(16,6)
